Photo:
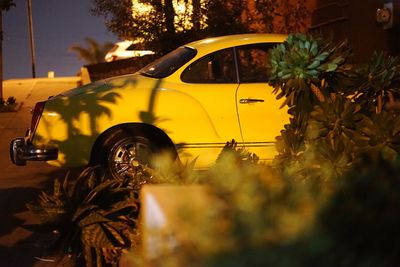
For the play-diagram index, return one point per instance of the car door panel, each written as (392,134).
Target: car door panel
(260,114)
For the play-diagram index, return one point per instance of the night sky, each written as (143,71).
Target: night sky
(58,24)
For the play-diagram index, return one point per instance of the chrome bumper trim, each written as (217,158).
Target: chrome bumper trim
(21,152)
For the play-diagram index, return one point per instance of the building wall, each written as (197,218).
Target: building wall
(355,20)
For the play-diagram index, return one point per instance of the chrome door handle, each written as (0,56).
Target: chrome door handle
(250,100)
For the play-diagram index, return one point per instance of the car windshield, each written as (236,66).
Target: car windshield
(169,63)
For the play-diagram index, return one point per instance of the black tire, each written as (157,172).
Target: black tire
(124,152)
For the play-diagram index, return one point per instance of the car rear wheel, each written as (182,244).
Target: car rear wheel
(123,154)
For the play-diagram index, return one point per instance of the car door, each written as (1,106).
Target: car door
(210,83)
(260,115)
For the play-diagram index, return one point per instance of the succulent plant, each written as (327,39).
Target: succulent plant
(290,144)
(337,118)
(327,159)
(382,132)
(92,217)
(377,83)
(300,69)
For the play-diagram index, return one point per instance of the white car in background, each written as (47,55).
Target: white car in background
(126,49)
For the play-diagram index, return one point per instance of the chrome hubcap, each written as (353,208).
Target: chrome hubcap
(127,157)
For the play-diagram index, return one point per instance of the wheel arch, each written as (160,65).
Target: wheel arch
(159,138)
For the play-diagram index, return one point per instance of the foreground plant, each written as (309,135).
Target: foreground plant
(269,219)
(94,218)
(358,225)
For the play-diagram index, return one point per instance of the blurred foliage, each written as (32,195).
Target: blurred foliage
(261,216)
(165,25)
(267,218)
(354,224)
(267,206)
(93,53)
(6,5)
(358,225)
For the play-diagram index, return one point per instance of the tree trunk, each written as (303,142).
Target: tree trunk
(169,17)
(196,14)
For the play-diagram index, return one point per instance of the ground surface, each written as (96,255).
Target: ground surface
(20,185)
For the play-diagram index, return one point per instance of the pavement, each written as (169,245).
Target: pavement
(20,185)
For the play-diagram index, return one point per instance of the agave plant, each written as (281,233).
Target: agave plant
(291,143)
(301,69)
(382,132)
(91,215)
(239,153)
(326,159)
(337,118)
(378,82)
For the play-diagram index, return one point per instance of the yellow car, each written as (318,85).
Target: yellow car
(189,102)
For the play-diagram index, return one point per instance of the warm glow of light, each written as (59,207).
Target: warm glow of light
(183,13)
(180,7)
(140,8)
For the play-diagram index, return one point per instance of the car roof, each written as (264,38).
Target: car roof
(236,40)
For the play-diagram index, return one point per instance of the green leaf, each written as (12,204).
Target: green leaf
(322,56)
(314,49)
(314,64)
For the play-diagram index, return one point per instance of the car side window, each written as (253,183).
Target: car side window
(252,61)
(218,67)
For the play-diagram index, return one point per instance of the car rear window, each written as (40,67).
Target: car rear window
(169,63)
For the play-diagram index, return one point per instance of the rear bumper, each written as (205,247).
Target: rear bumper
(21,152)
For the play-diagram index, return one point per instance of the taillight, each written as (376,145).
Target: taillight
(36,114)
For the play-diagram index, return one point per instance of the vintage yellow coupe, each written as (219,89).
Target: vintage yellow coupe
(189,102)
